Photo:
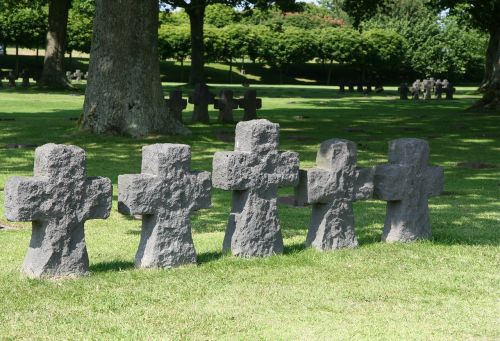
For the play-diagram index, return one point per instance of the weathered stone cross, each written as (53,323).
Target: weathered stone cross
(58,200)
(164,194)
(250,103)
(226,104)
(331,187)
(176,104)
(201,98)
(406,183)
(254,171)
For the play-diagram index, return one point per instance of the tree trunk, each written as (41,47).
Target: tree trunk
(491,81)
(53,65)
(17,59)
(231,71)
(196,12)
(124,93)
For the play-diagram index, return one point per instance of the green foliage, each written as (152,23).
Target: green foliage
(23,23)
(178,17)
(174,42)
(80,22)
(220,15)
(386,47)
(341,45)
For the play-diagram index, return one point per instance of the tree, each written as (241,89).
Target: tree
(53,74)
(80,21)
(174,42)
(196,12)
(483,14)
(124,93)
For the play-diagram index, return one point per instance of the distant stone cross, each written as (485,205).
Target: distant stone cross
(26,79)
(226,104)
(11,77)
(250,103)
(78,75)
(403,91)
(165,193)
(406,183)
(201,98)
(331,187)
(176,104)
(427,88)
(254,171)
(69,76)
(58,200)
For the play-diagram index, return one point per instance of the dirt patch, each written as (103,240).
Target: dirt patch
(476,165)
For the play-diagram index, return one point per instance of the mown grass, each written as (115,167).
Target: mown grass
(446,288)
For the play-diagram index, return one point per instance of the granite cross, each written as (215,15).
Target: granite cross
(201,98)
(331,187)
(254,171)
(25,78)
(11,77)
(58,200)
(250,103)
(165,193)
(226,104)
(78,75)
(406,183)
(176,104)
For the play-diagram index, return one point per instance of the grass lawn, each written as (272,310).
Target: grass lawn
(446,288)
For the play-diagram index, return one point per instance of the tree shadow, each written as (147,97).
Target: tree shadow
(207,257)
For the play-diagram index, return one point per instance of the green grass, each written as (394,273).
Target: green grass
(446,288)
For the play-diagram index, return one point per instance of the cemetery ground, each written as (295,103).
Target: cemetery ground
(446,288)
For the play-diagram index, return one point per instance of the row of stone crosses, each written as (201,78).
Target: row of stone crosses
(12,76)
(60,198)
(226,104)
(427,87)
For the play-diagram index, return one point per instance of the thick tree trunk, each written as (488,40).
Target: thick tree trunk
(491,81)
(53,65)
(196,12)
(124,93)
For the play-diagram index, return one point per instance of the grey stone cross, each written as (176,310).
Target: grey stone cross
(11,77)
(58,200)
(201,98)
(176,104)
(250,103)
(165,193)
(331,187)
(226,104)
(254,171)
(406,183)
(78,75)
(26,78)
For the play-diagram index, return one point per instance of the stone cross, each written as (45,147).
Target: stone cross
(11,77)
(341,87)
(58,200)
(176,104)
(427,89)
(406,183)
(69,76)
(351,86)
(26,78)
(165,193)
(416,90)
(254,171)
(403,91)
(359,87)
(1,77)
(331,187)
(449,90)
(226,104)
(201,98)
(250,103)
(439,89)
(78,75)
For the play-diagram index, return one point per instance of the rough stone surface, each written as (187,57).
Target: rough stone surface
(58,200)
(254,171)
(250,103)
(165,193)
(176,104)
(201,98)
(406,183)
(226,104)
(331,187)
(11,77)
(403,91)
(428,85)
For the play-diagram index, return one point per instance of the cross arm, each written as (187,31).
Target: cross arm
(232,170)
(314,186)
(434,180)
(202,190)
(390,182)
(363,185)
(24,198)
(136,194)
(287,170)
(98,195)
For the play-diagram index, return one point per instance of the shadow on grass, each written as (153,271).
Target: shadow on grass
(207,257)
(111,266)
